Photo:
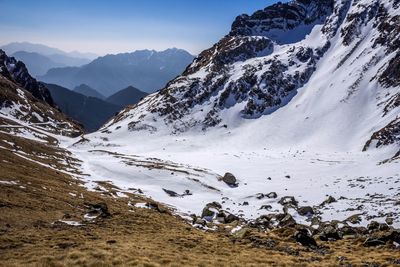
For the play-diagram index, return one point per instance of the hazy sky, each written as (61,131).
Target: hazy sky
(111,26)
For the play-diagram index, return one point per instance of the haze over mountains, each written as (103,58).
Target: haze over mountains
(147,70)
(40,58)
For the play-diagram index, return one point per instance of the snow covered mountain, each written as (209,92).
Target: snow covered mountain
(299,100)
(306,72)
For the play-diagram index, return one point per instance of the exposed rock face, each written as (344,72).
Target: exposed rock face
(282,17)
(388,135)
(17,72)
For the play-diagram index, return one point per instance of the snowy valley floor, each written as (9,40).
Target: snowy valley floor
(359,184)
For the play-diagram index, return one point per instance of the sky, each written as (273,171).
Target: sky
(106,26)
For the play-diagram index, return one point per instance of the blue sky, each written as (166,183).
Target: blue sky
(106,26)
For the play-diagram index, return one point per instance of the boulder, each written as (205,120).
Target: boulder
(305,211)
(272,195)
(229,179)
(304,237)
(372,242)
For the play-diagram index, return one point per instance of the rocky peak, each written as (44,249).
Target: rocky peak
(17,72)
(277,19)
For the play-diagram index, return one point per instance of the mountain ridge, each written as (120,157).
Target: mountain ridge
(148,70)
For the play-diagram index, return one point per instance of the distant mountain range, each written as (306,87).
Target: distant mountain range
(40,58)
(88,91)
(148,70)
(87,106)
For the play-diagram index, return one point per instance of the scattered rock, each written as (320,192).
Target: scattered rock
(373,225)
(210,211)
(329,200)
(288,200)
(329,233)
(170,193)
(99,210)
(266,207)
(287,221)
(260,196)
(354,219)
(245,203)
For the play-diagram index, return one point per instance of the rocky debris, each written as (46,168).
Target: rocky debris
(199,221)
(226,217)
(305,211)
(354,219)
(373,225)
(286,220)
(266,207)
(288,200)
(98,210)
(174,194)
(210,211)
(329,232)
(329,200)
(304,237)
(157,207)
(229,179)
(389,220)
